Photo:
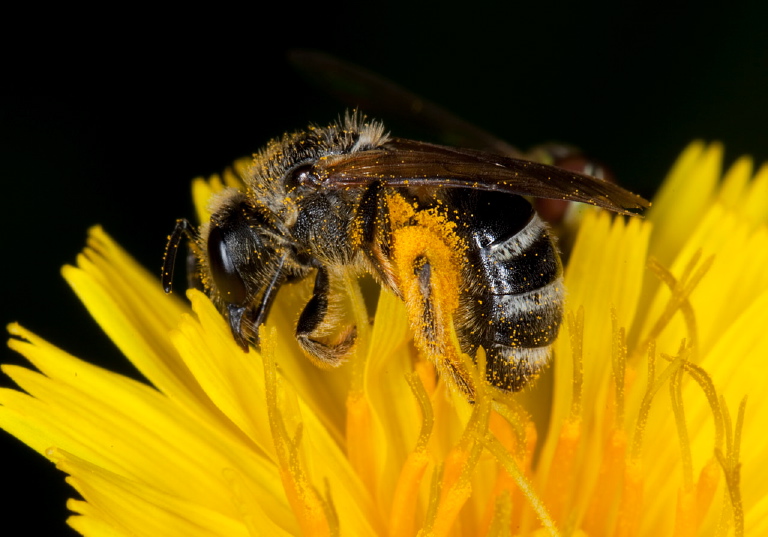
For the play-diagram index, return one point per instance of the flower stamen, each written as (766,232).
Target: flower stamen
(702,378)
(403,514)
(460,463)
(562,474)
(653,386)
(507,462)
(576,332)
(731,466)
(678,411)
(502,516)
(619,367)
(681,290)
(310,509)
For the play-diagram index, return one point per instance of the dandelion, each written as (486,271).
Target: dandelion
(641,427)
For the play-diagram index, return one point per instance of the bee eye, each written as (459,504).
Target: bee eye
(303,175)
(225,275)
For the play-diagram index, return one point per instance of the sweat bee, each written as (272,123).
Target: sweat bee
(446,229)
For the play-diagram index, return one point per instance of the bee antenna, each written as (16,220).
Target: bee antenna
(270,292)
(182,229)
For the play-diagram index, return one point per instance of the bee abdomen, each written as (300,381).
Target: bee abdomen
(511,368)
(517,331)
(529,319)
(526,261)
(514,309)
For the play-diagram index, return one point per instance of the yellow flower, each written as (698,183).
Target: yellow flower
(639,428)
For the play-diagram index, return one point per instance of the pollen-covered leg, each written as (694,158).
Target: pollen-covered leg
(315,322)
(373,231)
(431,333)
(432,317)
(428,256)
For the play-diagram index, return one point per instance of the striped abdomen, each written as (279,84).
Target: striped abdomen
(512,303)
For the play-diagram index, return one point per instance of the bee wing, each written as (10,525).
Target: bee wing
(407,163)
(374,94)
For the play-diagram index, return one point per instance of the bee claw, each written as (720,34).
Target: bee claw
(235,315)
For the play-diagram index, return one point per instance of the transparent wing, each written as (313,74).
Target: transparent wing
(376,95)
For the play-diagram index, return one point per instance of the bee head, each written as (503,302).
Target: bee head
(240,258)
(243,264)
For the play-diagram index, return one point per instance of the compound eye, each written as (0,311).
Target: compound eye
(302,176)
(225,275)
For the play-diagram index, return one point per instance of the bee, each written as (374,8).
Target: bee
(446,229)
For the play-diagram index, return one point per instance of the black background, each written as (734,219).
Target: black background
(108,123)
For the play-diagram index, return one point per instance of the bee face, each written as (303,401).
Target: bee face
(241,258)
(445,229)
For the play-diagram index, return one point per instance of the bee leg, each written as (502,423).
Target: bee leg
(372,216)
(245,321)
(429,327)
(372,212)
(194,279)
(431,335)
(313,324)
(183,229)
